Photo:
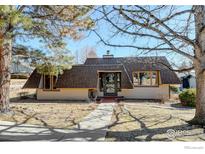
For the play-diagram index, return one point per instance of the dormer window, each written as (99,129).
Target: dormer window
(146,78)
(49,82)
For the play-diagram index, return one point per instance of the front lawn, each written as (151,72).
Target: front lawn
(16,89)
(53,115)
(152,122)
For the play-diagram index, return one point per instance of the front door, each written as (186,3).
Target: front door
(109,84)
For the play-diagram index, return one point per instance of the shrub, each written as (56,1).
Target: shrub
(188,97)
(174,89)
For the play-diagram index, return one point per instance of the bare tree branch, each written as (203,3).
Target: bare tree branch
(128,32)
(184,38)
(177,70)
(130,46)
(162,34)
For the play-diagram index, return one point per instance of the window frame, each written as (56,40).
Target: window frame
(151,72)
(120,82)
(51,83)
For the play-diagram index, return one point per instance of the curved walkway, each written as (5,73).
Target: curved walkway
(92,128)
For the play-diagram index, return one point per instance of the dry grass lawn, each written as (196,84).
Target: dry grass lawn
(53,115)
(152,122)
(16,89)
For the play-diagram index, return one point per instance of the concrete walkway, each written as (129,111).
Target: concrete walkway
(92,128)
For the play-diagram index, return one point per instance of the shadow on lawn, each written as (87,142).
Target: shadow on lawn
(50,134)
(25,132)
(22,132)
(179,106)
(46,133)
(145,130)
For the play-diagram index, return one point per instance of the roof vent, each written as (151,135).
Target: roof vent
(108,55)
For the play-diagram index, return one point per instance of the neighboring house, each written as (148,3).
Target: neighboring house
(188,81)
(18,68)
(129,77)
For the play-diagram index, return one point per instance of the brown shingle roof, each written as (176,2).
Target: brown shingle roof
(85,76)
(33,81)
(133,64)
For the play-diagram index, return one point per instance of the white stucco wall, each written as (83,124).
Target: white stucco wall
(63,94)
(161,92)
(192,82)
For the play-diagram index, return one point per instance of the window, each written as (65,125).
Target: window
(49,82)
(118,81)
(136,79)
(54,82)
(155,78)
(145,78)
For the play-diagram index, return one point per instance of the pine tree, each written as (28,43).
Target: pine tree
(49,24)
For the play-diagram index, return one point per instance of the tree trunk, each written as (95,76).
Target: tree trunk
(5,64)
(199,64)
(199,118)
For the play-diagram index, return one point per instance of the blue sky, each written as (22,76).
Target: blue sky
(89,39)
(105,29)
(93,41)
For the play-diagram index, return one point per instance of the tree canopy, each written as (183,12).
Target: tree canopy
(164,29)
(47,24)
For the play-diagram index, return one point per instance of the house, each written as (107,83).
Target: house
(188,81)
(128,77)
(20,69)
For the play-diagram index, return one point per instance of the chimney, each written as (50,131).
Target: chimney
(108,55)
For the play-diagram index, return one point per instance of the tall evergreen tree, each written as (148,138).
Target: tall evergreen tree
(48,24)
